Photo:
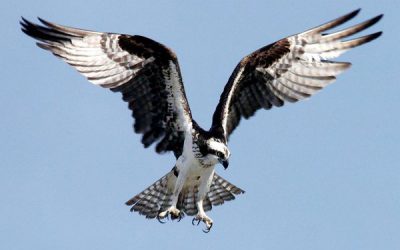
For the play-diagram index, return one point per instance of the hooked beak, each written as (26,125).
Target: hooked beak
(224,163)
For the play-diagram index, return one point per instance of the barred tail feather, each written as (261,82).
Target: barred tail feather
(187,200)
(155,198)
(220,191)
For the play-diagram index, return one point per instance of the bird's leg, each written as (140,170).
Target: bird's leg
(201,216)
(174,212)
(204,187)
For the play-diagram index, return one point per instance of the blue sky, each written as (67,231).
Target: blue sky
(320,174)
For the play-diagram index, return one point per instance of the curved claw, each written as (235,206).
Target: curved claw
(180,217)
(194,220)
(161,219)
(208,228)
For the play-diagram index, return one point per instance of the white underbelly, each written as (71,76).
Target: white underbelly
(197,176)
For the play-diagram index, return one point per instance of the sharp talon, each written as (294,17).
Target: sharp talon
(161,220)
(208,228)
(194,221)
(180,217)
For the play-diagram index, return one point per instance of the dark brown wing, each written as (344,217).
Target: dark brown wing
(144,71)
(288,70)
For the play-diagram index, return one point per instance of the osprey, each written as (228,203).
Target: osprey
(148,76)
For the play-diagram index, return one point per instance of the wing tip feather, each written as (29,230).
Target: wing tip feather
(362,40)
(374,35)
(43,21)
(333,23)
(43,46)
(351,15)
(356,11)
(375,19)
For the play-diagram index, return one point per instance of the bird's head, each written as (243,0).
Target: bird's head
(218,151)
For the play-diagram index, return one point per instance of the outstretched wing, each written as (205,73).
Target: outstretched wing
(288,70)
(144,71)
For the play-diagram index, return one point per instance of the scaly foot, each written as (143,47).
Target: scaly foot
(204,218)
(172,211)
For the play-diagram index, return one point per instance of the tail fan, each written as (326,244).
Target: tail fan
(157,197)
(220,191)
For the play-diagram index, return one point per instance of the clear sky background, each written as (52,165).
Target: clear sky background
(320,174)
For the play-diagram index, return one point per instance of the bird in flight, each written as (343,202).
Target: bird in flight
(148,76)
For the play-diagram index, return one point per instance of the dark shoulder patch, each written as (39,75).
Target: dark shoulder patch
(267,55)
(145,47)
